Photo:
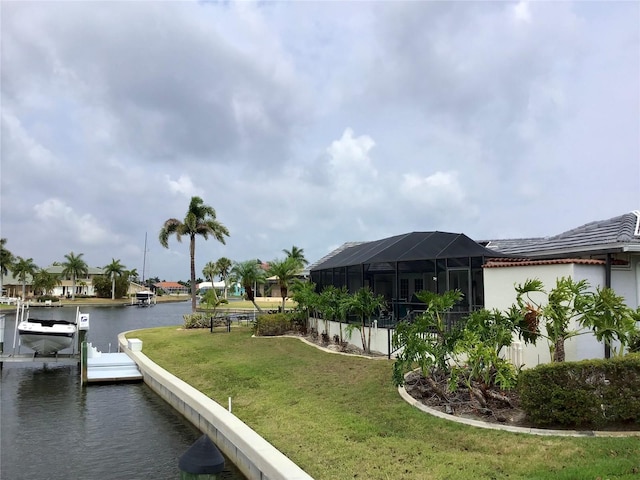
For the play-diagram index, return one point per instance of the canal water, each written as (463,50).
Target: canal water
(52,428)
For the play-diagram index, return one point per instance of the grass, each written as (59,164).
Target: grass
(339,417)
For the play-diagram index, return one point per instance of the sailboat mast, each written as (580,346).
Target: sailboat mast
(144,258)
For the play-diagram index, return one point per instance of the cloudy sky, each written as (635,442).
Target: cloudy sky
(311,123)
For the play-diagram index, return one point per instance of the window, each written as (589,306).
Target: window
(418,285)
(404,288)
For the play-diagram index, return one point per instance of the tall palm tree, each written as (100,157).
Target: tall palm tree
(223,265)
(6,261)
(114,269)
(248,274)
(199,220)
(45,281)
(73,267)
(21,269)
(297,254)
(285,271)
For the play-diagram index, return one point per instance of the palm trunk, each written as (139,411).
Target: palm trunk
(73,287)
(558,352)
(113,287)
(192,253)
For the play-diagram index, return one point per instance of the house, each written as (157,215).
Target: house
(84,283)
(397,267)
(172,288)
(605,253)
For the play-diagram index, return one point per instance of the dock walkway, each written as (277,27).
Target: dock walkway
(112,367)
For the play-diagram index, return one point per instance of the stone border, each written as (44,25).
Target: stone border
(256,458)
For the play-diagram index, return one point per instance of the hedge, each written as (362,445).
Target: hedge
(589,393)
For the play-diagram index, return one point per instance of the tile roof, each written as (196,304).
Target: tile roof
(526,262)
(612,234)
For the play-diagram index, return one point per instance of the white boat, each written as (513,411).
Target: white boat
(145,298)
(46,337)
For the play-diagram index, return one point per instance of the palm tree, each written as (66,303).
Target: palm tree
(364,303)
(223,265)
(6,261)
(45,281)
(199,220)
(210,271)
(21,268)
(285,271)
(115,268)
(132,275)
(248,274)
(297,254)
(73,267)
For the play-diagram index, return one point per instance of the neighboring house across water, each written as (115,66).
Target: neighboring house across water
(172,288)
(84,283)
(605,253)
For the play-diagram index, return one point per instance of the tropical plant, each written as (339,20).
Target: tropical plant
(477,359)
(132,275)
(209,271)
(285,272)
(223,267)
(249,274)
(333,304)
(570,310)
(103,286)
(199,220)
(6,261)
(113,270)
(426,342)
(297,254)
(22,268)
(364,303)
(306,298)
(45,282)
(73,267)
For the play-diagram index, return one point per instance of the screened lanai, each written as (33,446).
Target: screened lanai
(397,267)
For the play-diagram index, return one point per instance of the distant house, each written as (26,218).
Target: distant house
(605,253)
(84,283)
(172,288)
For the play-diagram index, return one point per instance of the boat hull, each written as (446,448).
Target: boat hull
(46,340)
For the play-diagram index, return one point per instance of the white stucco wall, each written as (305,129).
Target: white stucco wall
(499,284)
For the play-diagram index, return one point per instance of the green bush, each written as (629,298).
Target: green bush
(590,393)
(196,320)
(273,324)
(44,298)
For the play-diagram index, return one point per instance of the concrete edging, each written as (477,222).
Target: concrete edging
(256,458)
(510,428)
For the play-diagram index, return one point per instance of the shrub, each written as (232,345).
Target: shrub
(44,298)
(196,320)
(273,324)
(589,393)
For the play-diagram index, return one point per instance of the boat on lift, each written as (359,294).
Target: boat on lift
(145,298)
(47,337)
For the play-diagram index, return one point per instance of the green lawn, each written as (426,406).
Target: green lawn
(340,417)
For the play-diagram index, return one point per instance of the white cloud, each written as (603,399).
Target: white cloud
(183,186)
(439,190)
(56,214)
